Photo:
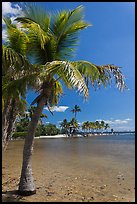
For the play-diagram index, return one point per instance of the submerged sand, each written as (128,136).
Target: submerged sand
(72,170)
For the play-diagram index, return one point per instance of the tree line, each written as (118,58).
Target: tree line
(88,127)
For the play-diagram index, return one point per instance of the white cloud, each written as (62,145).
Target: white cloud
(4,35)
(116,121)
(119,121)
(58,108)
(120,124)
(7,8)
(12,10)
(60,121)
(128,119)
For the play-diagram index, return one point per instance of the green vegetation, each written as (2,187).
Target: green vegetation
(75,110)
(48,41)
(49,129)
(23,122)
(91,126)
(68,127)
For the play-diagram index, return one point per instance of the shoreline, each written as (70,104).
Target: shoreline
(78,135)
(73,136)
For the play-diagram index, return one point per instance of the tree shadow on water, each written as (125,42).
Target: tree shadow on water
(11,196)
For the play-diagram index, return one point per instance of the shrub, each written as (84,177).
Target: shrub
(22,135)
(19,135)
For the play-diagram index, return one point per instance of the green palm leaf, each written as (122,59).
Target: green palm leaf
(35,31)
(100,75)
(17,39)
(55,39)
(14,62)
(70,73)
(65,27)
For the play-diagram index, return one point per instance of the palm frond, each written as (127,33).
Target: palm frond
(65,27)
(18,86)
(14,62)
(35,31)
(17,39)
(70,73)
(37,14)
(100,75)
(42,45)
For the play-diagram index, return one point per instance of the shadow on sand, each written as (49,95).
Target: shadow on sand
(11,196)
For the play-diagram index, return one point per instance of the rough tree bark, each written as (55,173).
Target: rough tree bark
(8,121)
(26,184)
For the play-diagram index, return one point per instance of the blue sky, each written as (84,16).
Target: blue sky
(110,40)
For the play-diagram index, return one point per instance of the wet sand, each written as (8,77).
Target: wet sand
(73,170)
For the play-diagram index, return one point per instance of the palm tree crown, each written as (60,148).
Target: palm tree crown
(75,110)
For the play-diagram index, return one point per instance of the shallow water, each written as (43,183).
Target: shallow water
(99,159)
(115,148)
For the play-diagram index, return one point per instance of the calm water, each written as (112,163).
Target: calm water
(116,148)
(83,145)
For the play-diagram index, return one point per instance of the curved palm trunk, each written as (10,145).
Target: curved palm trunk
(5,122)
(26,184)
(8,121)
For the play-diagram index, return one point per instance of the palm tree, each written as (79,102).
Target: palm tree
(107,126)
(86,125)
(64,125)
(31,111)
(83,126)
(15,66)
(97,124)
(75,110)
(92,125)
(27,115)
(102,125)
(73,124)
(50,45)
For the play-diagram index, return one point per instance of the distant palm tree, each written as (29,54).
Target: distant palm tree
(75,110)
(107,126)
(64,125)
(73,125)
(97,124)
(86,125)
(102,125)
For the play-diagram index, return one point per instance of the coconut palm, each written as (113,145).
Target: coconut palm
(107,126)
(64,125)
(31,111)
(51,43)
(102,124)
(52,69)
(83,126)
(75,110)
(15,66)
(73,125)
(86,125)
(97,124)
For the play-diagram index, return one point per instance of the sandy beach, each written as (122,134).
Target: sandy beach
(72,170)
